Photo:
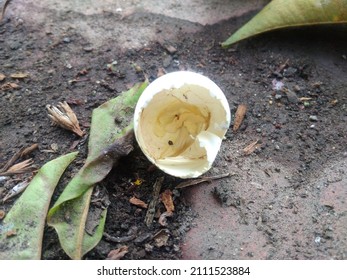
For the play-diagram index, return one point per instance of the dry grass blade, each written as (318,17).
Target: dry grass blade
(21,167)
(9,86)
(63,116)
(202,180)
(239,116)
(19,75)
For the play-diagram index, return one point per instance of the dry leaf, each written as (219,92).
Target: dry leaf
(251,148)
(161,238)
(63,116)
(19,75)
(2,77)
(117,254)
(9,86)
(239,116)
(138,202)
(19,168)
(166,198)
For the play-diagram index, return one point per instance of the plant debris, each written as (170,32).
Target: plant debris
(17,189)
(12,160)
(65,117)
(29,150)
(138,202)
(19,75)
(161,238)
(251,147)
(19,168)
(202,180)
(117,254)
(9,86)
(151,207)
(239,116)
(166,199)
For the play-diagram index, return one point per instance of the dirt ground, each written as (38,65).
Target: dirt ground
(284,200)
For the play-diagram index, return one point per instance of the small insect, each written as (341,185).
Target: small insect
(170,142)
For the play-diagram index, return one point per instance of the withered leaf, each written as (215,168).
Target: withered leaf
(161,238)
(21,167)
(166,198)
(9,86)
(239,116)
(138,202)
(117,254)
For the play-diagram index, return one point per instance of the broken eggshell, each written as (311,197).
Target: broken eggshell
(180,121)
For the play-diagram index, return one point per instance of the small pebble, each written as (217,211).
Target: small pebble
(313,118)
(317,240)
(296,88)
(278,96)
(67,40)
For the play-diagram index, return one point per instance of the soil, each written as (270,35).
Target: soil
(284,200)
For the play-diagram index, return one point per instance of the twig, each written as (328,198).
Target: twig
(202,180)
(239,116)
(12,160)
(29,150)
(151,207)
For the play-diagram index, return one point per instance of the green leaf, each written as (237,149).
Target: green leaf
(283,13)
(26,219)
(110,138)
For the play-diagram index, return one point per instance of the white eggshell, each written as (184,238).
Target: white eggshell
(180,121)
